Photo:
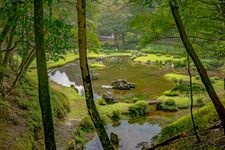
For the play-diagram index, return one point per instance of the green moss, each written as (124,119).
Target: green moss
(96,65)
(83,129)
(203,117)
(60,103)
(120,107)
(170,93)
(101,101)
(157,58)
(24,143)
(4,110)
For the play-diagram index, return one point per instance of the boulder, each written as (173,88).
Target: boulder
(99,59)
(154,102)
(108,97)
(131,84)
(114,138)
(122,84)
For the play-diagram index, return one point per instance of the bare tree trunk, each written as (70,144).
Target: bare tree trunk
(43,85)
(201,70)
(191,98)
(92,110)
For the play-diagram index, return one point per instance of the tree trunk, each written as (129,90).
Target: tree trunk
(43,85)
(201,70)
(192,100)
(6,57)
(92,110)
(10,22)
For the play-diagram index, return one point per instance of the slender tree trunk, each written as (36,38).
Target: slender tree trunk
(2,38)
(7,54)
(92,110)
(10,22)
(43,85)
(201,70)
(191,98)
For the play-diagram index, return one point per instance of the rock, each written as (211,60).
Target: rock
(109,98)
(122,84)
(95,76)
(154,102)
(131,84)
(114,138)
(99,59)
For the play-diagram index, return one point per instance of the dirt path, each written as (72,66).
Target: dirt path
(65,128)
(65,132)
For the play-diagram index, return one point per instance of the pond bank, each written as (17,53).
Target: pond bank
(109,111)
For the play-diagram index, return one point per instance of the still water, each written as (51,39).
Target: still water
(149,80)
(132,136)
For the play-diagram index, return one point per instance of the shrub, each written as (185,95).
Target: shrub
(138,109)
(171,93)
(197,77)
(115,116)
(185,88)
(168,105)
(101,102)
(180,64)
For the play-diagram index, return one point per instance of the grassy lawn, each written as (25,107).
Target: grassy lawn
(203,116)
(71,56)
(157,57)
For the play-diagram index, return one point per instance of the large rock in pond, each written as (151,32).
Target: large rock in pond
(122,84)
(114,138)
(109,98)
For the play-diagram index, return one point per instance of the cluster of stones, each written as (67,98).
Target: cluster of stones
(122,84)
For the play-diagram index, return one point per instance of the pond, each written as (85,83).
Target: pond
(149,80)
(133,136)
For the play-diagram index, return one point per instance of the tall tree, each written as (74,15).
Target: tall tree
(43,86)
(201,70)
(12,19)
(92,110)
(191,98)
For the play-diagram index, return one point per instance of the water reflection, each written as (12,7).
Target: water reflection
(149,80)
(73,78)
(132,136)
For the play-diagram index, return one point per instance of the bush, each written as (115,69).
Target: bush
(168,105)
(185,88)
(171,93)
(197,77)
(101,102)
(138,109)
(180,64)
(115,116)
